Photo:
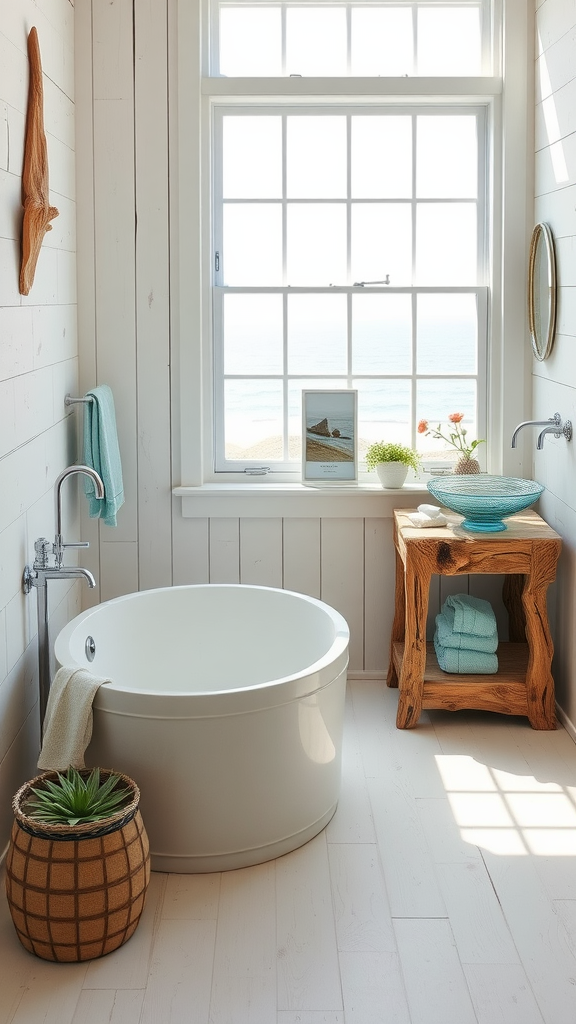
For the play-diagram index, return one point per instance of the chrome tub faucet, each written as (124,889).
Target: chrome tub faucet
(38,574)
(59,544)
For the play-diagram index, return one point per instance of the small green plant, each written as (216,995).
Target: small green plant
(71,799)
(381,451)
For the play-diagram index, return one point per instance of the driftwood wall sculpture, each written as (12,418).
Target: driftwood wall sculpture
(35,199)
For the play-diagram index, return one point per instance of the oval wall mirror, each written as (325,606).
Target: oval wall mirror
(542,291)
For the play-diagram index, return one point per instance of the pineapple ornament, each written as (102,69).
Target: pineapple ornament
(466,463)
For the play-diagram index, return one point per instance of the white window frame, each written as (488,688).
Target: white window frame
(480,289)
(509,103)
(489,53)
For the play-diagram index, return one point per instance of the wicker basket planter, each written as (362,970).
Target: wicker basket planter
(77,892)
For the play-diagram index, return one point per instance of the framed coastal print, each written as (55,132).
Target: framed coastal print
(329,446)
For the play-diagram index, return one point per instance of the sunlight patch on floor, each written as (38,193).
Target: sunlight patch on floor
(509,814)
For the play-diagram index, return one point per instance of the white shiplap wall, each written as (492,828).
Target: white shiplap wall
(38,365)
(554,381)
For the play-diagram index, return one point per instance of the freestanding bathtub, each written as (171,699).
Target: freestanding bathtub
(226,706)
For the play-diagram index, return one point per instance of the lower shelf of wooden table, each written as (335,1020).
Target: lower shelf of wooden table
(504,691)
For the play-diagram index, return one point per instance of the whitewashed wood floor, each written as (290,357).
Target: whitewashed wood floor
(442,892)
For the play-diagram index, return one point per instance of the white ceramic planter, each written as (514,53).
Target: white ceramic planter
(392,474)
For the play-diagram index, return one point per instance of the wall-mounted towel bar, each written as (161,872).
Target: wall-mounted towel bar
(68,400)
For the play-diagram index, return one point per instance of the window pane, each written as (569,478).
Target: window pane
(446,243)
(436,399)
(253,419)
(316,41)
(252,161)
(382,242)
(381,334)
(447,333)
(316,244)
(381,157)
(383,412)
(447,157)
(382,42)
(250,41)
(252,244)
(449,41)
(317,334)
(253,334)
(316,157)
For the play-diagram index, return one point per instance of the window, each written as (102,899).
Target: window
(359,39)
(349,235)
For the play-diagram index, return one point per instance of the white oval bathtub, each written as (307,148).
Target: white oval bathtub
(226,706)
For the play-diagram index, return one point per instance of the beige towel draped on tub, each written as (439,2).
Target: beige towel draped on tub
(68,722)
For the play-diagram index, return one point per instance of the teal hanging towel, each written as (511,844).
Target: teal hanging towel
(101,452)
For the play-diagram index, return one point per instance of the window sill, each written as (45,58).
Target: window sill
(296,500)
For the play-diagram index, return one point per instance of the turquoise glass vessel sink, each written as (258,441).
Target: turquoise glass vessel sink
(485,500)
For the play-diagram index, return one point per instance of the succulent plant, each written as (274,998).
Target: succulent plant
(71,799)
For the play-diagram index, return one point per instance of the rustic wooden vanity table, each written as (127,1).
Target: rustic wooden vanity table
(526,553)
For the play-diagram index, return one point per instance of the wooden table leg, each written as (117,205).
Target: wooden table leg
(411,682)
(398,624)
(512,598)
(539,681)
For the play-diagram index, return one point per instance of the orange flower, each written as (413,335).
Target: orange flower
(423,426)
(456,417)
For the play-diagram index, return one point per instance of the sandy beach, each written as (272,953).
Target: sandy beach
(318,452)
(271,448)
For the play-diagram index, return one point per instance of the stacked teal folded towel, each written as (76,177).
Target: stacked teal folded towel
(466,636)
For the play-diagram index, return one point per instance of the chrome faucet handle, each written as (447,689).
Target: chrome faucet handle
(76,544)
(42,547)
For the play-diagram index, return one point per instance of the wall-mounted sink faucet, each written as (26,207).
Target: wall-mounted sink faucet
(38,574)
(553,425)
(558,430)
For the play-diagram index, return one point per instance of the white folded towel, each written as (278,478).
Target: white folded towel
(430,510)
(68,721)
(427,516)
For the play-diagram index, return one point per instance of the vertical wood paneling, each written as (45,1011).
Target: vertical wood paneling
(379,572)
(119,567)
(224,551)
(261,552)
(152,293)
(86,258)
(302,556)
(191,549)
(114,235)
(342,586)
